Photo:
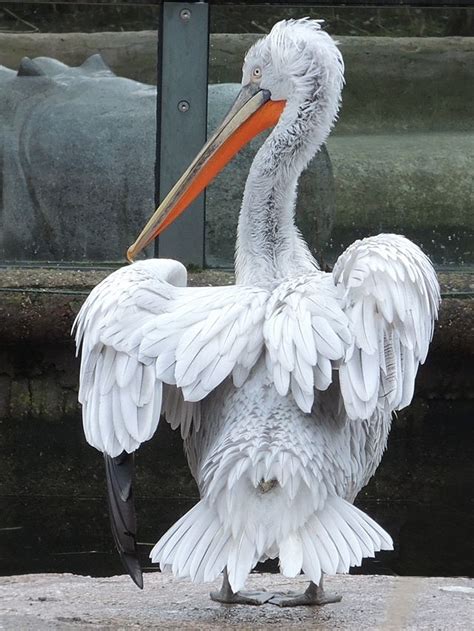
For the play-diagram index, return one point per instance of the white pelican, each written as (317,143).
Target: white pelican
(283,384)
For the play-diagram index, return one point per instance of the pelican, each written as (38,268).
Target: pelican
(284,384)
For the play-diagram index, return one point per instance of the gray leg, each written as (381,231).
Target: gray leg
(314,595)
(226,595)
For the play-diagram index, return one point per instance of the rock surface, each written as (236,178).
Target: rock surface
(65,601)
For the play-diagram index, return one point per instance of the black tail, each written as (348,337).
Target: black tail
(119,472)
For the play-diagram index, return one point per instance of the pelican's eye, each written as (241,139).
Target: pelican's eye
(256,74)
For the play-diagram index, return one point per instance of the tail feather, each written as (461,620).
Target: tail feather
(328,555)
(218,556)
(338,540)
(327,564)
(353,546)
(341,535)
(198,560)
(332,539)
(183,559)
(372,534)
(291,555)
(169,543)
(365,541)
(311,565)
(385,540)
(196,546)
(240,561)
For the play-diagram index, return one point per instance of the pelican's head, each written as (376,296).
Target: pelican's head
(297,62)
(296,67)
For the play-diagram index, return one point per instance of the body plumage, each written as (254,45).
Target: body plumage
(283,384)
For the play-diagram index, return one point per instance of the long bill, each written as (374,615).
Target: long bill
(251,113)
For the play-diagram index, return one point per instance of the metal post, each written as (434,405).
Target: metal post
(181,118)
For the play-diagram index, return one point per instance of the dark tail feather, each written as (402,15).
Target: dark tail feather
(123,520)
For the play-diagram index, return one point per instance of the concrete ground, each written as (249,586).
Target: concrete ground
(65,601)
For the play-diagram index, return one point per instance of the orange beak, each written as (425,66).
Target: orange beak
(251,113)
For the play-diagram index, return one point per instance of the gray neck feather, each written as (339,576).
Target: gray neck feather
(269,246)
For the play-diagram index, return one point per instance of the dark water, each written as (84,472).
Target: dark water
(54,534)
(53,511)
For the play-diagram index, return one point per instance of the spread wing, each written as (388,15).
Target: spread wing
(140,329)
(390,294)
(307,336)
(371,319)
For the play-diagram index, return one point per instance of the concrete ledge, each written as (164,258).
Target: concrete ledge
(39,304)
(65,601)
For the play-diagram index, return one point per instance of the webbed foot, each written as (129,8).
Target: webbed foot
(227,596)
(242,598)
(314,595)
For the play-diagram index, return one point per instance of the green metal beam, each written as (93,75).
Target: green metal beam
(183,50)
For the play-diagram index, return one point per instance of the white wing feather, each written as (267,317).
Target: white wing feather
(390,294)
(306,334)
(372,320)
(142,328)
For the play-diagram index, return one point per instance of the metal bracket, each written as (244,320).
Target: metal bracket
(183,49)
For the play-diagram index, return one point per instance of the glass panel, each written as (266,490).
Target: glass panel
(78,131)
(400,157)
(77,168)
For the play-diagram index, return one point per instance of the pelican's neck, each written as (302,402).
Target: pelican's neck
(269,246)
